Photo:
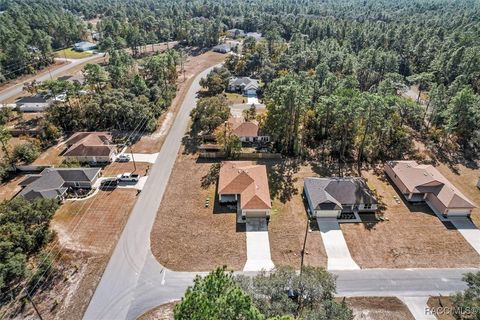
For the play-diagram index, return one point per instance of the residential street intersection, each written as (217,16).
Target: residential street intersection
(134,281)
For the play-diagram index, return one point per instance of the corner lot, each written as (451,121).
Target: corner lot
(187,236)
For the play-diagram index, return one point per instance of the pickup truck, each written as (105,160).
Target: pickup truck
(128,177)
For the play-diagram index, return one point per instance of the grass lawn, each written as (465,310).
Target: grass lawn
(72,54)
(235,98)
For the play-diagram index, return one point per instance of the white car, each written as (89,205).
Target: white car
(123,158)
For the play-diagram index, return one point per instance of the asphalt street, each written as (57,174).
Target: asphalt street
(134,281)
(18,88)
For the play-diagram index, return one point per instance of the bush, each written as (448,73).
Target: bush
(26,153)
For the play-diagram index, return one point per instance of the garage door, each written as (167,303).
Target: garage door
(256,214)
(458,213)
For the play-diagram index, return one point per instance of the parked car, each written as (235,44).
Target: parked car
(128,177)
(109,183)
(123,158)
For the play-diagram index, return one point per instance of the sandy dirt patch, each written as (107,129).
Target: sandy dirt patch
(288,223)
(186,235)
(378,308)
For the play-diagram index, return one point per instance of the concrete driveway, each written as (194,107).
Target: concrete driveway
(418,307)
(338,255)
(258,246)
(468,230)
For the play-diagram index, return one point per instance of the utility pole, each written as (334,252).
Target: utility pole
(34,306)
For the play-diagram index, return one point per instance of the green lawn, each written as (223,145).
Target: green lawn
(71,54)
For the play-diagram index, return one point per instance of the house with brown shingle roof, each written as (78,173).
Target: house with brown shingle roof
(247,131)
(92,147)
(246,184)
(424,183)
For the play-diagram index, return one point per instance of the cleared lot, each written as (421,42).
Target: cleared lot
(411,236)
(288,223)
(86,233)
(186,235)
(378,308)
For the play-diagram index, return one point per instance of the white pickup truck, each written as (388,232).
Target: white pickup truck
(128,177)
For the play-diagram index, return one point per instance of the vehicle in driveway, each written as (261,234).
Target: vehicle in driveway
(109,183)
(123,158)
(128,177)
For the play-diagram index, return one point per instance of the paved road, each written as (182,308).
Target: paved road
(134,281)
(18,88)
(132,255)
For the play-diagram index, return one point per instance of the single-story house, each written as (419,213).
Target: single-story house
(246,85)
(424,183)
(36,103)
(84,46)
(53,183)
(235,33)
(246,184)
(247,131)
(330,197)
(222,48)
(255,35)
(92,147)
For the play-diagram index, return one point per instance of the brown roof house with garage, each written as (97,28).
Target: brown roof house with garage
(246,184)
(92,147)
(424,183)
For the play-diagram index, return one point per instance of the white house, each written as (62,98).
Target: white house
(33,104)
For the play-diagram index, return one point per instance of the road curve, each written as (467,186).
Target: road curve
(134,281)
(18,88)
(117,287)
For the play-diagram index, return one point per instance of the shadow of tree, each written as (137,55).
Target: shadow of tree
(281,178)
(211,177)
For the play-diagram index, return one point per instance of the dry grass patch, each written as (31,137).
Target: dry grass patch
(288,223)
(87,232)
(10,188)
(186,236)
(465,179)
(94,224)
(163,312)
(235,98)
(378,308)
(437,303)
(51,156)
(116,168)
(411,237)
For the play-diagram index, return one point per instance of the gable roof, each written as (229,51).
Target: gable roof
(334,193)
(244,82)
(50,183)
(247,180)
(89,144)
(420,178)
(31,99)
(242,128)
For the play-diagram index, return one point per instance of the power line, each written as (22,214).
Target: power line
(141,126)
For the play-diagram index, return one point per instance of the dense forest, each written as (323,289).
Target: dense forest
(331,70)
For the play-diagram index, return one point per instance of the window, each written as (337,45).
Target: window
(367,206)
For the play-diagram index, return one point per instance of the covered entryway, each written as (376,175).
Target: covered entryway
(258,245)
